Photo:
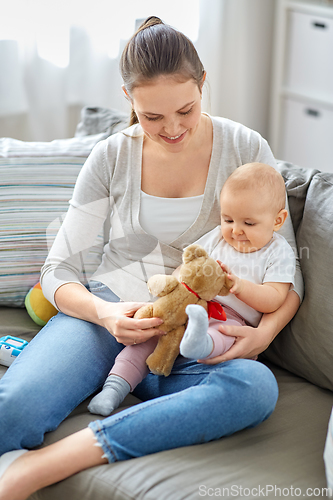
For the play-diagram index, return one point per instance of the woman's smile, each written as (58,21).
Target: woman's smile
(174,140)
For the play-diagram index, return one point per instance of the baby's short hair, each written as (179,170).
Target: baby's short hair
(257,176)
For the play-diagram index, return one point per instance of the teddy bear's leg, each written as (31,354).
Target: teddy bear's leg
(162,359)
(196,343)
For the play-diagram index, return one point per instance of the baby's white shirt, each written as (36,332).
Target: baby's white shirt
(275,262)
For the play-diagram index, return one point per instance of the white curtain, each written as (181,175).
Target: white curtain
(56,57)
(235,43)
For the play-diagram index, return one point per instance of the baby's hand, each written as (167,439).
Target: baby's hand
(237,287)
(238,283)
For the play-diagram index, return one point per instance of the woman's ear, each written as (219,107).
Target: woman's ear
(280,219)
(203,81)
(126,93)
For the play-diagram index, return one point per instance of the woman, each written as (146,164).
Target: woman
(162,179)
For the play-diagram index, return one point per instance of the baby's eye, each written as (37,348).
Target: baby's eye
(249,223)
(228,221)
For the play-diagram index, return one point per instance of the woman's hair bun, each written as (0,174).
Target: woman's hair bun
(150,21)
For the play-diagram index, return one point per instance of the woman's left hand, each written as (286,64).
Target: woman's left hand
(249,343)
(252,341)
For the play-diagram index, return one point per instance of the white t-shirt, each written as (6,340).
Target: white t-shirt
(275,262)
(168,218)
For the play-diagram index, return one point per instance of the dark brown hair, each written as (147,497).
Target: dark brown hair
(157,49)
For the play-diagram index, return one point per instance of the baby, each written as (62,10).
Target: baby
(259,261)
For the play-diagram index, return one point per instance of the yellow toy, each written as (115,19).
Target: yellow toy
(200,280)
(39,309)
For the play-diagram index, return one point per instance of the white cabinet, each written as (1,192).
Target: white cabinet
(307,134)
(302,95)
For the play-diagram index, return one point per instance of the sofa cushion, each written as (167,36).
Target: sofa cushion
(101,120)
(34,194)
(297,180)
(305,345)
(36,182)
(76,146)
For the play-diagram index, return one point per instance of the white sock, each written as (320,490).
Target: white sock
(113,393)
(8,458)
(196,342)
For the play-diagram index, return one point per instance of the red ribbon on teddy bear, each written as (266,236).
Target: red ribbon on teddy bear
(215,310)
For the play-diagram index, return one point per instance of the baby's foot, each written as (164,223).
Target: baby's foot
(113,393)
(196,343)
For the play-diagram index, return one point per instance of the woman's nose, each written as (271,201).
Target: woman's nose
(172,128)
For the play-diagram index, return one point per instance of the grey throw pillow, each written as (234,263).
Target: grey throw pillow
(305,345)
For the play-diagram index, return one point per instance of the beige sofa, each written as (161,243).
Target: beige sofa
(283,457)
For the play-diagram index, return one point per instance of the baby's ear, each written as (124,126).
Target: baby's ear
(280,219)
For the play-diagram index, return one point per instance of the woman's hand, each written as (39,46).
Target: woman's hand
(252,341)
(117,318)
(249,343)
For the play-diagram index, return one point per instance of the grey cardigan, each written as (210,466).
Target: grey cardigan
(108,188)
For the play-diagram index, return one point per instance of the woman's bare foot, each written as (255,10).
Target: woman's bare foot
(13,485)
(40,468)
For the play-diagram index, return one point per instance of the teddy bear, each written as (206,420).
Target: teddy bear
(197,281)
(200,279)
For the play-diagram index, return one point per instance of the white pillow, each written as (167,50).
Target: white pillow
(76,146)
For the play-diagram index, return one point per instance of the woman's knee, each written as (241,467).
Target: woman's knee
(19,419)
(264,386)
(251,382)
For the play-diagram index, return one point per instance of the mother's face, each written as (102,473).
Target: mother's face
(169,111)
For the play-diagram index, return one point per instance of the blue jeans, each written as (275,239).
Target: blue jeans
(69,359)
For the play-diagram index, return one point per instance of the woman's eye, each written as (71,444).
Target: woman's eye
(186,112)
(156,118)
(149,118)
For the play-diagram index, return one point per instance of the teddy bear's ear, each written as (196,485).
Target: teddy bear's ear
(193,252)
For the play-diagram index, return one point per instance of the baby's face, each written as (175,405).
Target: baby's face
(247,219)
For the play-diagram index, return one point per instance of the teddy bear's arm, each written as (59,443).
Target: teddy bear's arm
(226,286)
(161,284)
(144,312)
